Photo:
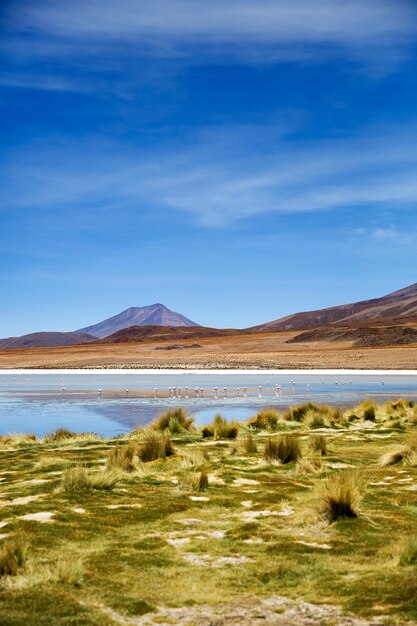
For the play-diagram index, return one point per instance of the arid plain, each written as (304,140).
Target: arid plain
(260,350)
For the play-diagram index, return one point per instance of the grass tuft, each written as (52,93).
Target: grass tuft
(285,449)
(247,445)
(175,421)
(408,554)
(220,428)
(69,570)
(203,480)
(78,479)
(341,496)
(318,443)
(264,420)
(60,434)
(124,457)
(155,446)
(13,555)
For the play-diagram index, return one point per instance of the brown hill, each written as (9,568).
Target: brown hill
(371,337)
(46,340)
(160,333)
(397,306)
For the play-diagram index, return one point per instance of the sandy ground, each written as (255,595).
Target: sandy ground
(263,350)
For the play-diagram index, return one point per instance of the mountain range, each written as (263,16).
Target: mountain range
(396,306)
(368,323)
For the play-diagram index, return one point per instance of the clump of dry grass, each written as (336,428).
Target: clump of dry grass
(264,420)
(318,443)
(155,446)
(285,449)
(313,419)
(220,428)
(69,570)
(17,439)
(193,458)
(340,496)
(124,457)
(366,410)
(79,478)
(408,554)
(59,434)
(247,445)
(202,480)
(307,467)
(175,421)
(13,555)
(400,454)
(398,408)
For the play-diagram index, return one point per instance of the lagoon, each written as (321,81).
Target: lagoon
(41,400)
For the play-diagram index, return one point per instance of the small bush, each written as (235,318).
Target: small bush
(13,555)
(155,446)
(206,432)
(78,479)
(175,421)
(60,434)
(318,444)
(408,555)
(264,420)
(285,449)
(247,445)
(341,496)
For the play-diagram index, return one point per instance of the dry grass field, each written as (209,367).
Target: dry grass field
(301,519)
(260,350)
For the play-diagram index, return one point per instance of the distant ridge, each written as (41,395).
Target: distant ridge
(398,307)
(152,315)
(162,333)
(46,340)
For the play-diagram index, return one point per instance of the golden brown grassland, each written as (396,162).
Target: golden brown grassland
(174,518)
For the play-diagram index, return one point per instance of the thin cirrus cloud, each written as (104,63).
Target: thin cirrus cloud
(214,189)
(235,27)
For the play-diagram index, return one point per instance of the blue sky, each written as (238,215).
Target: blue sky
(236,160)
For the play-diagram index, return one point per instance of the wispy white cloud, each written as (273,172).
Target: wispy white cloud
(217,180)
(237,28)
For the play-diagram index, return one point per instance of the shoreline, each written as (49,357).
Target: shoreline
(207,372)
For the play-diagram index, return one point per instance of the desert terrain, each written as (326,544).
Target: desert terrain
(237,350)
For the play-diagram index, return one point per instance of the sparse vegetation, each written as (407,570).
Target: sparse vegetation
(100,514)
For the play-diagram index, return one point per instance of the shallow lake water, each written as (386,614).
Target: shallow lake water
(39,402)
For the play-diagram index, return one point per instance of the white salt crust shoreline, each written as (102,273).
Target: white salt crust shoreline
(208,372)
